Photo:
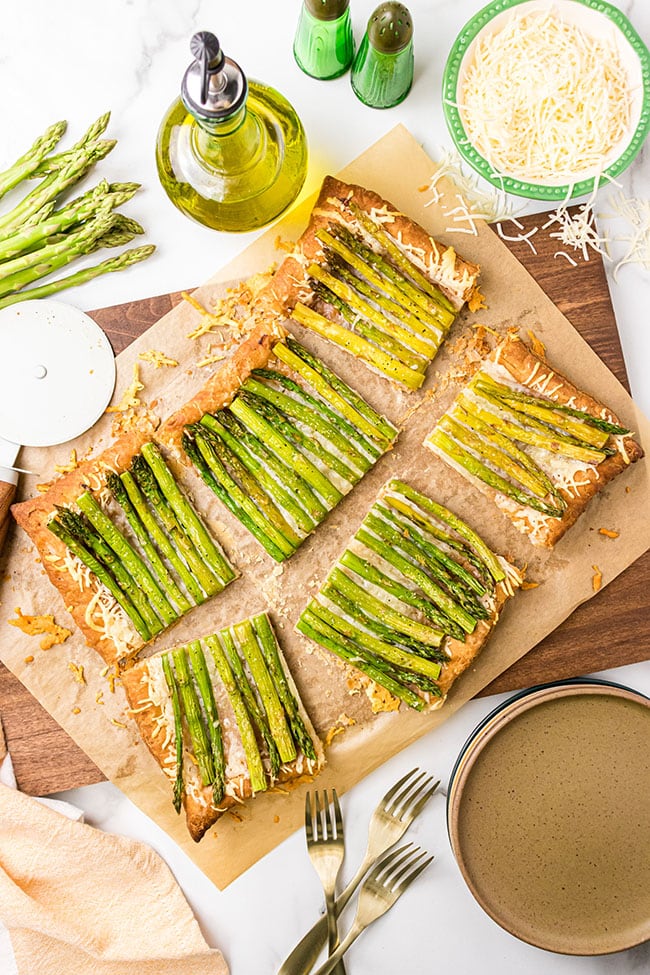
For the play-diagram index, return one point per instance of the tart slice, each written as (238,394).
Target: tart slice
(223,718)
(366,277)
(124,546)
(279,438)
(413,598)
(532,441)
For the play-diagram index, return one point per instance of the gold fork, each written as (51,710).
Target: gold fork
(383,886)
(326,848)
(390,820)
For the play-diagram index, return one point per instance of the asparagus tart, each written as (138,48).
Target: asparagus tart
(528,438)
(223,718)
(280,439)
(413,598)
(125,546)
(373,282)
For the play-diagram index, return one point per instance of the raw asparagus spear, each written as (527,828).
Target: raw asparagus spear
(29,162)
(126,259)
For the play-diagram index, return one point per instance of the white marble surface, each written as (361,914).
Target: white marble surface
(75,59)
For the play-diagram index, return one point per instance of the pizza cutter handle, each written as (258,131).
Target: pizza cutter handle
(7,492)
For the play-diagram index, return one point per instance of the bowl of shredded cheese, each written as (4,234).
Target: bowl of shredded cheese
(547,98)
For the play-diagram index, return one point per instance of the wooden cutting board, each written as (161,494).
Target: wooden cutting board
(609,630)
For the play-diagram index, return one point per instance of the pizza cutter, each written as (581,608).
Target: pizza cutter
(57,375)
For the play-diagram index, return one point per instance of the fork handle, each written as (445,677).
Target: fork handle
(333,932)
(303,957)
(335,959)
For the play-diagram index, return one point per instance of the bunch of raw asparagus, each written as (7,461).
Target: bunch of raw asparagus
(166,564)
(507,439)
(293,441)
(375,302)
(413,575)
(242,664)
(44,231)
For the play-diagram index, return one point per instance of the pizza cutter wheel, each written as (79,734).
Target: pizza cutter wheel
(57,375)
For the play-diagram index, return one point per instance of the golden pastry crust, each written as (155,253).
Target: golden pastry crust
(456,277)
(529,370)
(33,516)
(464,653)
(253,353)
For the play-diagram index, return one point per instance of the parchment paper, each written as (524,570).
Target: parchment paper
(395,167)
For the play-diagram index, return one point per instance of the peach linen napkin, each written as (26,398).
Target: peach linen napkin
(74,899)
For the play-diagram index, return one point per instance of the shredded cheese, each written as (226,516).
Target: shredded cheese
(635,231)
(72,464)
(597,579)
(157,359)
(543,99)
(130,395)
(39,625)
(77,672)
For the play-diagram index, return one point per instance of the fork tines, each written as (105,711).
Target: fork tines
(399,868)
(408,796)
(320,823)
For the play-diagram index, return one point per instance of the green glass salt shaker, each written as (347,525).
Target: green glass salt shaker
(382,73)
(324,46)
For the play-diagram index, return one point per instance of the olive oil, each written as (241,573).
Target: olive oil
(231,154)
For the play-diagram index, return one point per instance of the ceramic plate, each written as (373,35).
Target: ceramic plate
(598,19)
(549,817)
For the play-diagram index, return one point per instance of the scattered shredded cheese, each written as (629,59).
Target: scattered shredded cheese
(529,585)
(76,710)
(636,214)
(543,99)
(157,359)
(473,202)
(608,533)
(578,229)
(37,625)
(130,395)
(72,464)
(536,345)
(29,659)
(597,579)
(77,672)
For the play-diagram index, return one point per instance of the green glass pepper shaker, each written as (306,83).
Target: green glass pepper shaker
(324,46)
(382,73)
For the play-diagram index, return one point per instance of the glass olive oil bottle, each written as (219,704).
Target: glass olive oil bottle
(231,153)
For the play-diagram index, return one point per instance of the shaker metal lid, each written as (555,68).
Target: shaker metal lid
(390,28)
(327,9)
(213,86)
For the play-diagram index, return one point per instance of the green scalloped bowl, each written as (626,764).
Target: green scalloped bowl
(630,44)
